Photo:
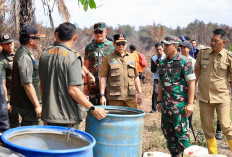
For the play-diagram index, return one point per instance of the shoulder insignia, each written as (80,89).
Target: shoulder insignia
(229,53)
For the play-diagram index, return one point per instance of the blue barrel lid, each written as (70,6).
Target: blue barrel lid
(82,134)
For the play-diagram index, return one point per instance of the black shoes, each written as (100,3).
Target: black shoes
(152,111)
(218,135)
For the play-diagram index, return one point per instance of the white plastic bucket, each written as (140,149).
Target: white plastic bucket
(195,151)
(216,155)
(156,154)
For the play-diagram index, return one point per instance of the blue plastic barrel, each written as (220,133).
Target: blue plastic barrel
(120,134)
(86,151)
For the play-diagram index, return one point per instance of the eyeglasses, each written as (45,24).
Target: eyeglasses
(121,43)
(98,32)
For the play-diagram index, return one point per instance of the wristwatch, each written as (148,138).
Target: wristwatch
(92,108)
(158,102)
(101,95)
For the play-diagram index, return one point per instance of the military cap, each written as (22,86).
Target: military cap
(6,38)
(120,37)
(30,31)
(171,40)
(99,26)
(186,44)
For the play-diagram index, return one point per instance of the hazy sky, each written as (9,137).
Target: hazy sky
(136,13)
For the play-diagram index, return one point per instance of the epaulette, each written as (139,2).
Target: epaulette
(76,53)
(202,47)
(229,53)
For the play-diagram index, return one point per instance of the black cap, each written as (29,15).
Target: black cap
(30,31)
(120,37)
(6,38)
(186,44)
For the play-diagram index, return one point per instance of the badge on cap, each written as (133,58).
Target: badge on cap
(121,37)
(6,36)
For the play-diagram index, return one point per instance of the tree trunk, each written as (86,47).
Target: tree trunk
(25,13)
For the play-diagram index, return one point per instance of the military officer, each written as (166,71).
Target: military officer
(25,93)
(94,53)
(4,121)
(214,70)
(6,65)
(175,96)
(120,75)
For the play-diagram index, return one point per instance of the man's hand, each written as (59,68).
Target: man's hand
(139,99)
(99,113)
(38,111)
(158,107)
(103,101)
(9,108)
(91,78)
(188,110)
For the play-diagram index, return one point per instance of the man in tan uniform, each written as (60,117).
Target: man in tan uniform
(119,73)
(214,69)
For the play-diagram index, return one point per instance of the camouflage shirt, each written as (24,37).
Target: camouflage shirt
(94,53)
(174,75)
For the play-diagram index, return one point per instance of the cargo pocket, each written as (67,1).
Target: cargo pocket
(131,88)
(131,70)
(115,88)
(114,69)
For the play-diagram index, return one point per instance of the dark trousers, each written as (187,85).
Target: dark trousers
(155,94)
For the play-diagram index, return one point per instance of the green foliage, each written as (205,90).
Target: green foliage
(87,3)
(230,47)
(200,139)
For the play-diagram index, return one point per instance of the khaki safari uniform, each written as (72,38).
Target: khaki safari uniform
(214,90)
(120,72)
(59,108)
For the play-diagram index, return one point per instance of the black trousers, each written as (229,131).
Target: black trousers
(155,94)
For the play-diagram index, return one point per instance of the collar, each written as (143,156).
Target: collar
(222,52)
(118,54)
(7,54)
(106,42)
(176,57)
(62,45)
(25,47)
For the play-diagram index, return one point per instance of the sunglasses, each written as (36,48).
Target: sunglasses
(98,32)
(121,43)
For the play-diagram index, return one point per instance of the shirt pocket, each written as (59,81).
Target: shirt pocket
(131,70)
(131,88)
(220,69)
(115,88)
(115,69)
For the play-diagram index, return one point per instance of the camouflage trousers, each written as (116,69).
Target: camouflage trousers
(174,125)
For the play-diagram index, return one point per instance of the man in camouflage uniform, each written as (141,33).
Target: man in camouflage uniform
(175,96)
(6,65)
(94,53)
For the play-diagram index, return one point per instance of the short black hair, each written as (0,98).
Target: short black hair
(24,41)
(158,44)
(187,37)
(132,47)
(193,40)
(66,31)
(219,32)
